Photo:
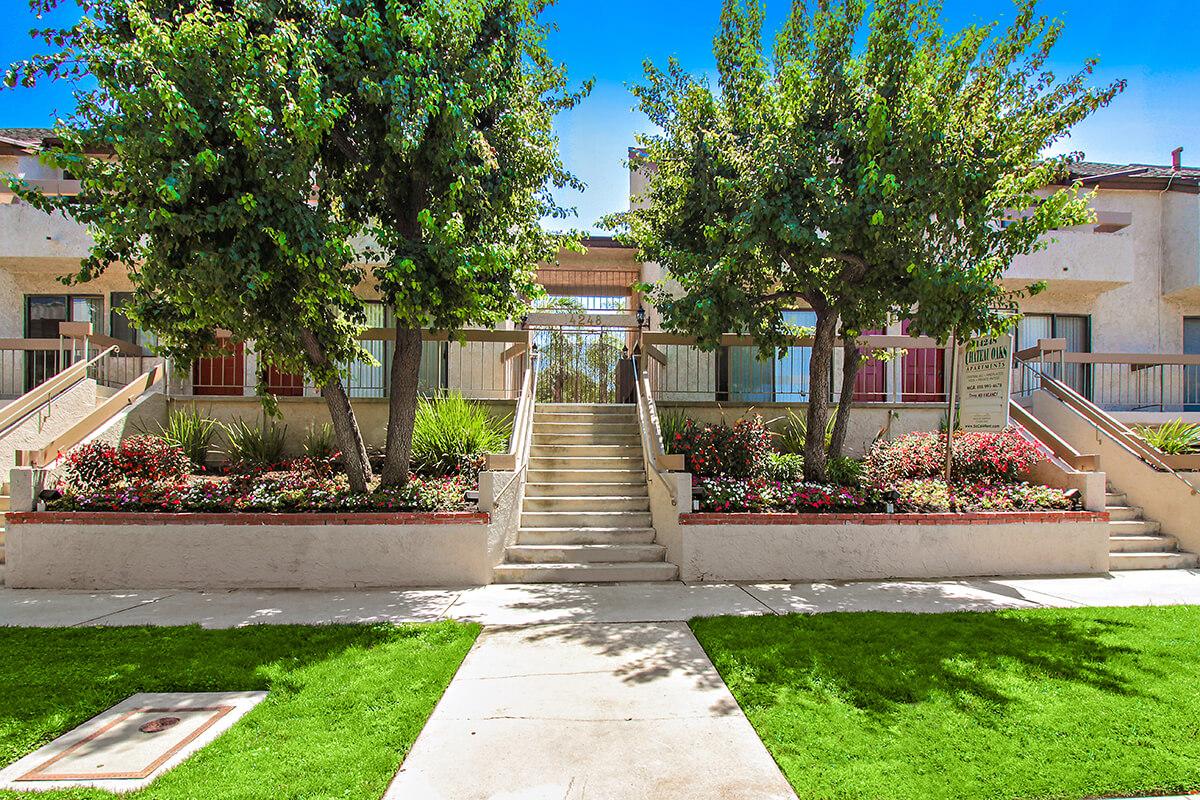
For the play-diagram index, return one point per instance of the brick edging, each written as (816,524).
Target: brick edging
(246,518)
(966,518)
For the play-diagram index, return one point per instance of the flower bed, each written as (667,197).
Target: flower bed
(147,474)
(903,475)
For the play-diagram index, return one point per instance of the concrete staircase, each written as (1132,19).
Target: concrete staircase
(586,513)
(1135,542)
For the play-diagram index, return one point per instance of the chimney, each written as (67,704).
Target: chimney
(1177,159)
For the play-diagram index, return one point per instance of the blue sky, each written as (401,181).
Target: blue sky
(1149,43)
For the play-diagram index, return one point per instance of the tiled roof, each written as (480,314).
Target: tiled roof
(33,136)
(1134,175)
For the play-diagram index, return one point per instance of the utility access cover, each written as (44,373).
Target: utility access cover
(130,744)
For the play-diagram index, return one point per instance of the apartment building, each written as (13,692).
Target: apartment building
(1126,286)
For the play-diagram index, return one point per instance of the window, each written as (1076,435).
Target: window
(43,313)
(1075,328)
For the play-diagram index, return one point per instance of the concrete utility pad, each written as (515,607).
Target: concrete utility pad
(604,710)
(132,743)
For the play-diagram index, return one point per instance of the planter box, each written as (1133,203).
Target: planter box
(817,547)
(89,550)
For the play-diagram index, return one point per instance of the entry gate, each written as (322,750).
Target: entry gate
(583,365)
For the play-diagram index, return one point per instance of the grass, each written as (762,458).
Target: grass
(1017,704)
(345,704)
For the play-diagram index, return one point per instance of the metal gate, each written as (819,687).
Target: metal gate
(583,365)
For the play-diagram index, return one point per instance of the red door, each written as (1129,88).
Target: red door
(284,384)
(924,374)
(221,375)
(870,385)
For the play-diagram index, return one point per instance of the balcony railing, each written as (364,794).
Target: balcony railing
(896,369)
(479,364)
(1117,381)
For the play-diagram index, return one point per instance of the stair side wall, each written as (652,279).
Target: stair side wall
(1161,496)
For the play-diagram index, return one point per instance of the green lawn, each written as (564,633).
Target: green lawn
(346,702)
(1017,704)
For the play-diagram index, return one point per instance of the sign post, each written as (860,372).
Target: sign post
(985,378)
(951,397)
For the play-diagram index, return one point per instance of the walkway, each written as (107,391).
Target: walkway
(583,603)
(578,691)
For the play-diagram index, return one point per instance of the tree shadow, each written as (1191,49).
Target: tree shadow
(58,678)
(883,663)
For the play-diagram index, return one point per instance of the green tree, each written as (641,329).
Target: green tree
(894,170)
(211,115)
(447,155)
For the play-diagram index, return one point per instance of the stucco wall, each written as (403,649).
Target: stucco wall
(41,427)
(834,550)
(1163,497)
(214,555)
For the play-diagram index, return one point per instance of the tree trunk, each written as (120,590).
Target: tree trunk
(820,384)
(402,406)
(852,359)
(345,424)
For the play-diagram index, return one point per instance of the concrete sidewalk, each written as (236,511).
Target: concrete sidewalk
(539,604)
(629,710)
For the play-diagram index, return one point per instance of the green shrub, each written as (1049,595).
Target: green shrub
(844,471)
(254,446)
(790,437)
(318,442)
(671,425)
(783,467)
(1174,438)
(191,432)
(451,432)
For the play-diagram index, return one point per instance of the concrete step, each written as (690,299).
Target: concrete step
(568,464)
(1131,526)
(585,408)
(592,438)
(584,553)
(586,519)
(585,573)
(1173,560)
(545,450)
(585,503)
(1112,498)
(561,536)
(587,476)
(585,417)
(1141,543)
(592,488)
(1123,513)
(591,425)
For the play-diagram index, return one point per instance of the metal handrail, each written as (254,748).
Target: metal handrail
(92,422)
(44,393)
(522,438)
(1102,421)
(649,428)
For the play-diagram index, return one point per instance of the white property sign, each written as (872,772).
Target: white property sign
(985,374)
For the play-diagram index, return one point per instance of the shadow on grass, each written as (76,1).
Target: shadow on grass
(882,663)
(57,678)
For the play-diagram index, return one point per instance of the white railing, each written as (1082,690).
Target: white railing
(479,364)
(516,459)
(44,394)
(895,370)
(658,462)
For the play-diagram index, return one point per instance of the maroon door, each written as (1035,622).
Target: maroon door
(284,384)
(924,374)
(870,385)
(221,375)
